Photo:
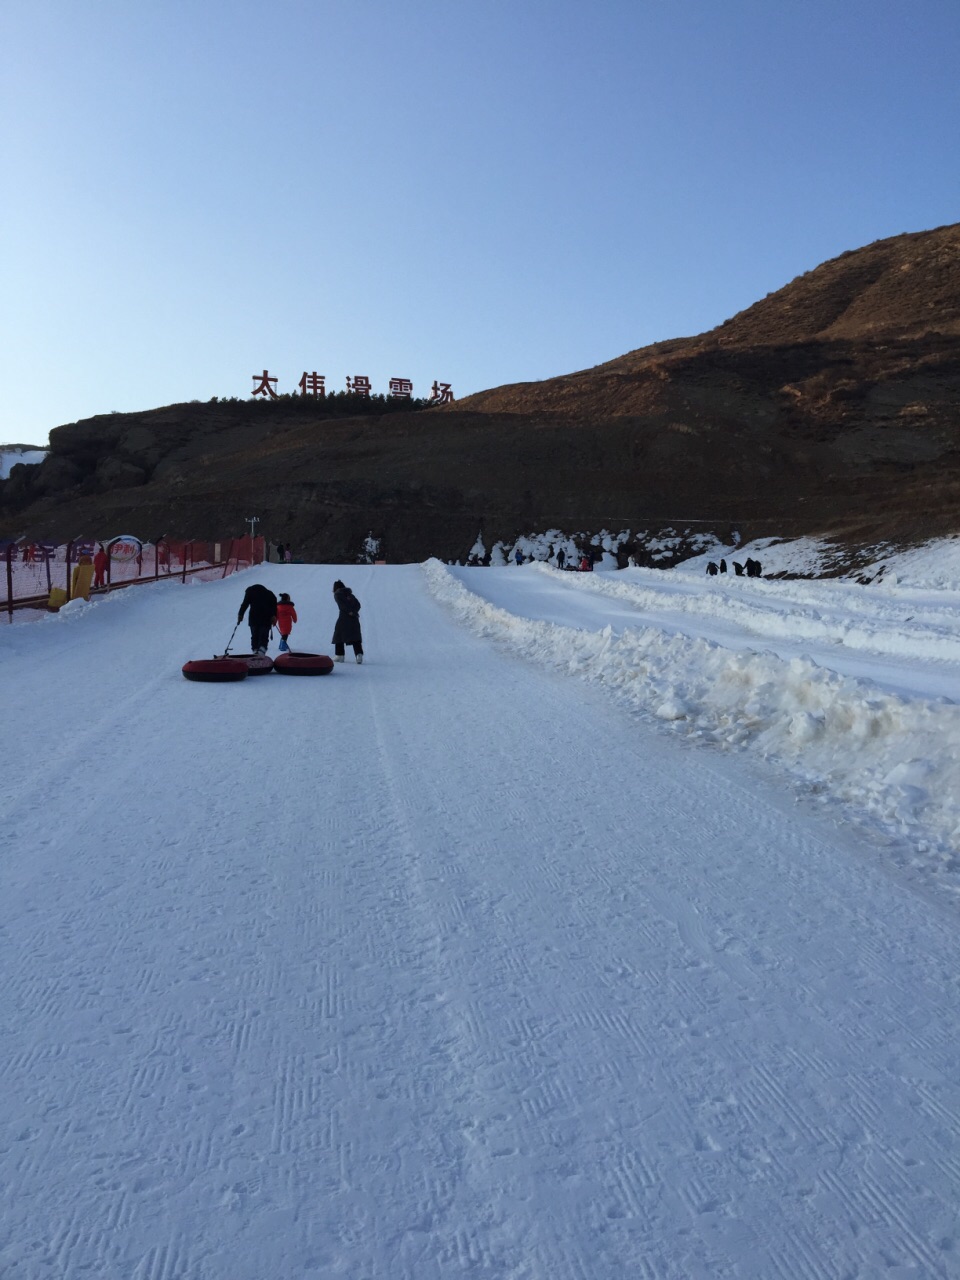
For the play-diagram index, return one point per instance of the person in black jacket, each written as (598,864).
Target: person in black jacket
(347,630)
(262,604)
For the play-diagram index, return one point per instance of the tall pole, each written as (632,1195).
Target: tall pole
(10,548)
(253,521)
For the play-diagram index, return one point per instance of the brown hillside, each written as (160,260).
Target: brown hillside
(904,291)
(831,406)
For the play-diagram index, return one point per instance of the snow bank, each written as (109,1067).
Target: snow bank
(824,611)
(890,761)
(935,564)
(544,547)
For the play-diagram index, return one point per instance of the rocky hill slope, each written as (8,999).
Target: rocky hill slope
(830,407)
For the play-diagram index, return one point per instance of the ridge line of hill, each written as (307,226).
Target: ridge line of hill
(830,407)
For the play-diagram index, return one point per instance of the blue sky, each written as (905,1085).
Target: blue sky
(470,190)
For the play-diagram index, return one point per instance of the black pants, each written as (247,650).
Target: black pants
(339,648)
(259,635)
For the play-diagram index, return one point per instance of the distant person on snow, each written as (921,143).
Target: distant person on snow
(280,552)
(262,604)
(518,556)
(347,630)
(723,566)
(586,564)
(561,558)
(100,562)
(287,553)
(286,617)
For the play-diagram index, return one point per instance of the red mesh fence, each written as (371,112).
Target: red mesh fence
(43,575)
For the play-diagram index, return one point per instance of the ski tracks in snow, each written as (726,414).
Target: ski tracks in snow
(445,965)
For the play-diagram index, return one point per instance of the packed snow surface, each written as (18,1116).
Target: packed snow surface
(598,926)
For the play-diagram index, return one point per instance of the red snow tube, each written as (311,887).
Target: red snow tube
(215,670)
(303,664)
(257,664)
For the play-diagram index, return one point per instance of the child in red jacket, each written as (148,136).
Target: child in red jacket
(286,617)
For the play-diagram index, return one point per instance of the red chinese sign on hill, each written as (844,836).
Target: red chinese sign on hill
(314,384)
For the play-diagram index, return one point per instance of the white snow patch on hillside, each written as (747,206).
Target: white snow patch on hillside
(10,457)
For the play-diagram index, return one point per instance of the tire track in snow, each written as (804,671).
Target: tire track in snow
(515,1044)
(541,1099)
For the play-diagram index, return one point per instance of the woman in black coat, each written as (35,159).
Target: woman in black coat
(347,630)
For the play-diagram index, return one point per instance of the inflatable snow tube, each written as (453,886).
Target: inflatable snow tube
(257,664)
(215,670)
(303,664)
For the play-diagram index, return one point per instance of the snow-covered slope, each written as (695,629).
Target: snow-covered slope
(452,963)
(10,456)
(851,689)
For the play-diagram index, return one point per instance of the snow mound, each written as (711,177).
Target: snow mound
(892,762)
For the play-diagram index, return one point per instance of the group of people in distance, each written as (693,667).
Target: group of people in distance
(752,568)
(267,611)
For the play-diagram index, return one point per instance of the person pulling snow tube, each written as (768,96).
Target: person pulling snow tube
(215,670)
(303,664)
